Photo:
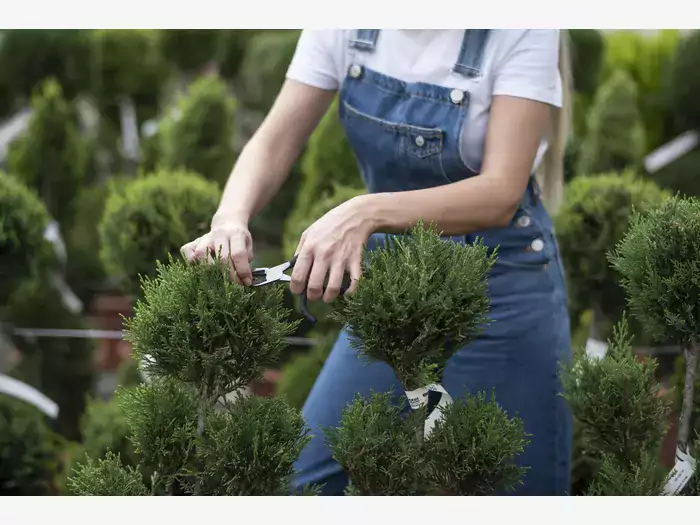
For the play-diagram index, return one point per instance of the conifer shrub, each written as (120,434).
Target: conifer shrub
(232,45)
(150,217)
(615,131)
(201,336)
(587,47)
(24,253)
(659,259)
(51,157)
(421,298)
(593,218)
(200,139)
(189,49)
(684,84)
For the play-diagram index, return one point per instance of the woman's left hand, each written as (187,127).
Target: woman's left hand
(330,247)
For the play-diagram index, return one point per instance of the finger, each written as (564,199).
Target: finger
(187,250)
(300,273)
(201,249)
(355,269)
(335,281)
(317,277)
(241,263)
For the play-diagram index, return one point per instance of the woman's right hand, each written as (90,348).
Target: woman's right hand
(235,242)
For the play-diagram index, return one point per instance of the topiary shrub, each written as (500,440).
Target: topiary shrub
(150,217)
(24,253)
(30,56)
(593,218)
(684,84)
(659,260)
(615,131)
(202,336)
(232,45)
(51,157)
(189,49)
(621,416)
(27,450)
(200,139)
(417,293)
(264,67)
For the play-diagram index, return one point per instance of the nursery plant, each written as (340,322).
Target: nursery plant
(594,216)
(622,418)
(150,217)
(421,298)
(201,336)
(659,259)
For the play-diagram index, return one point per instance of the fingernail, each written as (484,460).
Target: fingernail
(247,281)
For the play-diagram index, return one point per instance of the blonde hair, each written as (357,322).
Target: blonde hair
(550,172)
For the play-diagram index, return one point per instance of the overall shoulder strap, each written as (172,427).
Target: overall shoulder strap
(364,39)
(470,54)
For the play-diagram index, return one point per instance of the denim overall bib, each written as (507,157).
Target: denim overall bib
(406,137)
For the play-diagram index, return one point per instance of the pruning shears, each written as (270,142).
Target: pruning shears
(276,274)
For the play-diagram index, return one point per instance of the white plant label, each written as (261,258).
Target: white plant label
(596,349)
(420,397)
(681,474)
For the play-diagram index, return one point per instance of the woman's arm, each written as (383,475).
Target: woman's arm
(333,244)
(266,160)
(260,170)
(515,129)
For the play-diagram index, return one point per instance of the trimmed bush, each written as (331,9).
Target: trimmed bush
(27,450)
(264,67)
(151,217)
(24,253)
(615,130)
(593,218)
(200,139)
(30,56)
(232,46)
(202,336)
(51,157)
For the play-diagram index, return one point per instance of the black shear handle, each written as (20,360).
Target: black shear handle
(304,300)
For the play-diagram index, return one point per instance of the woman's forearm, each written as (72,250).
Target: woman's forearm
(478,203)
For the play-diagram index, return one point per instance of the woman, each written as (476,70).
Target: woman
(425,113)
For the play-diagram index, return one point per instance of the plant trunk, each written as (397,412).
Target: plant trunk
(596,328)
(691,364)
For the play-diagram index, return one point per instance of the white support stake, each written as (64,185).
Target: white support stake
(596,349)
(15,388)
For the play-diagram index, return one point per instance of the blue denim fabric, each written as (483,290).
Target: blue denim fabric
(406,136)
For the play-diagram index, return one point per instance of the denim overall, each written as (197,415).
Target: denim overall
(406,137)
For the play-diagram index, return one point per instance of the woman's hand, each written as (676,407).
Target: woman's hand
(330,247)
(233,238)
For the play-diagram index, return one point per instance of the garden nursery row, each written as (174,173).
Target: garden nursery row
(117,144)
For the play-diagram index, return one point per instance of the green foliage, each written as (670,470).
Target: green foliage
(685,83)
(106,477)
(648,59)
(232,46)
(264,66)
(162,418)
(250,448)
(621,418)
(30,56)
(300,372)
(27,450)
(682,175)
(615,130)
(644,478)
(472,450)
(51,157)
(151,217)
(190,49)
(128,62)
(380,450)
(659,260)
(202,328)
(593,218)
(417,293)
(24,253)
(61,368)
(200,138)
(587,47)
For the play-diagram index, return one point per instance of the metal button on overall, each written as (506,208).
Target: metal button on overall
(355,71)
(420,141)
(524,221)
(456,96)
(537,245)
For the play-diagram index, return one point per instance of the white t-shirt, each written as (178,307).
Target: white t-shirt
(516,62)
